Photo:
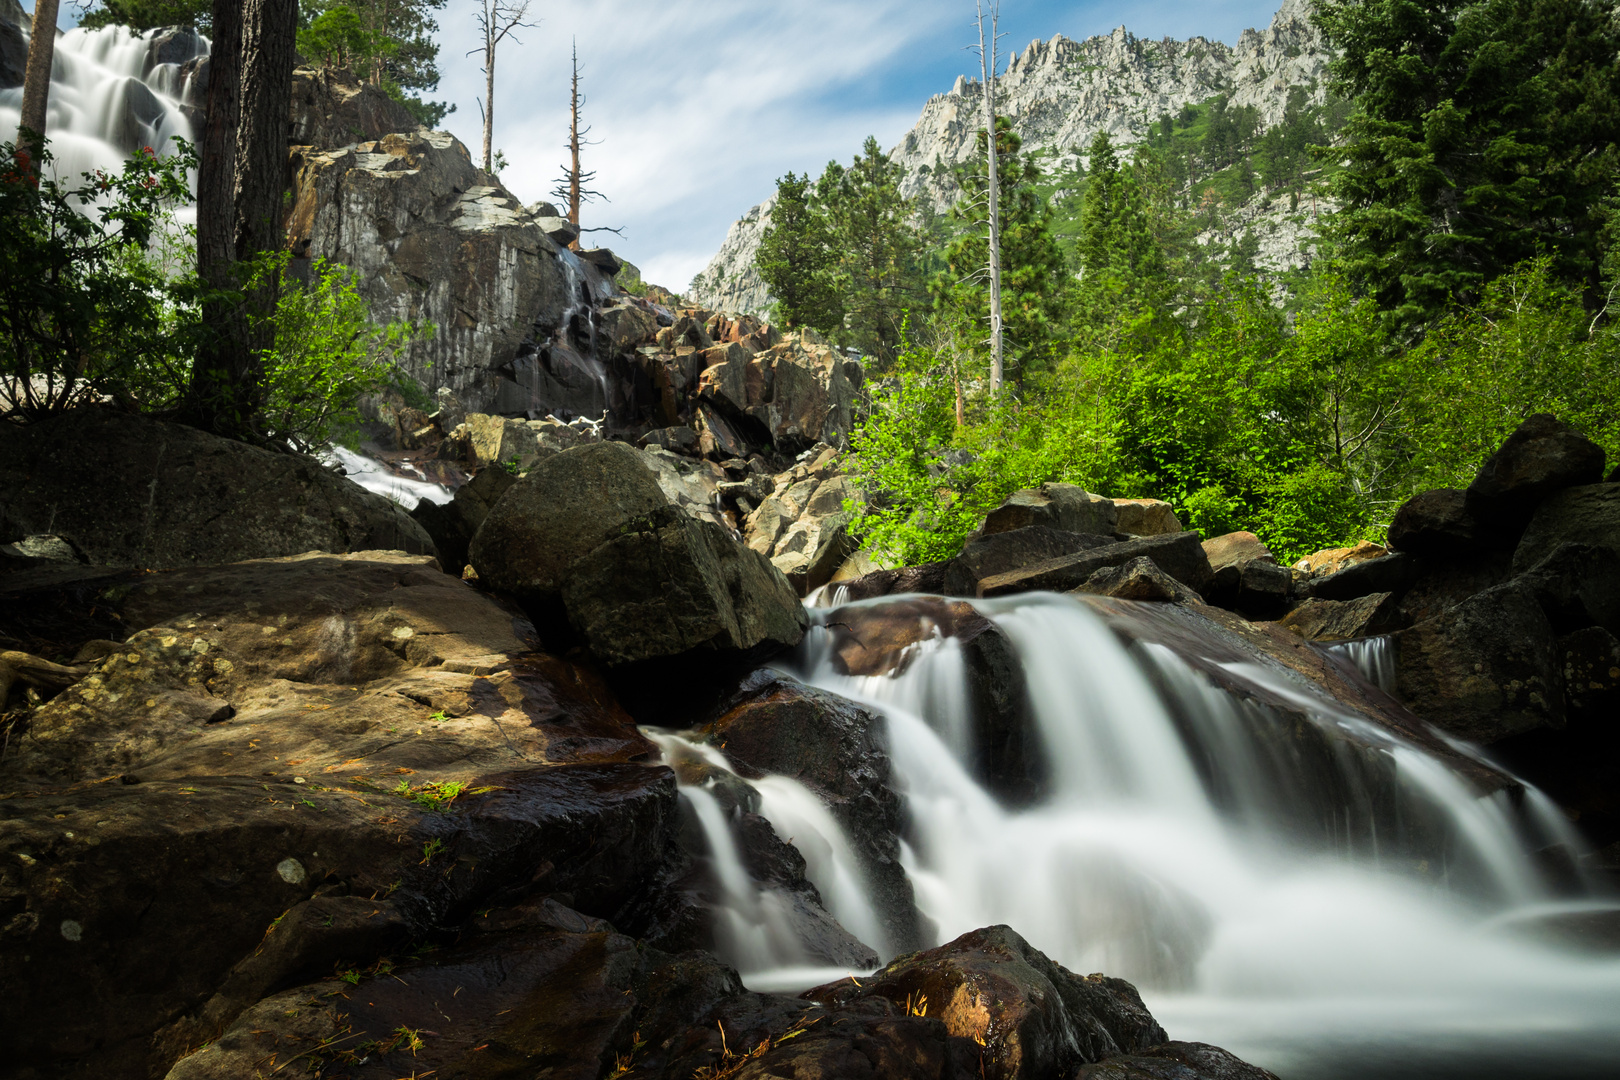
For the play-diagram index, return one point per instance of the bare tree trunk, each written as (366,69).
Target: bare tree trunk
(37,80)
(573,148)
(489,102)
(987,68)
(240,188)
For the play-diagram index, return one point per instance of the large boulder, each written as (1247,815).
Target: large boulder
(1486,669)
(1245,576)
(1541,457)
(1342,620)
(452,525)
(1064,507)
(331,108)
(1435,523)
(1394,573)
(128,490)
(394,756)
(1013,549)
(1033,1017)
(589,541)
(1145,517)
(1139,579)
(998,735)
(1178,554)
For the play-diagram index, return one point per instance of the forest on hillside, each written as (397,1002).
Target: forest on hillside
(1462,281)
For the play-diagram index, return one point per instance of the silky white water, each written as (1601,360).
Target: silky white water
(1357,913)
(107,101)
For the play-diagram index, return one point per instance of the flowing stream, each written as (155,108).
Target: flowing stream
(1359,910)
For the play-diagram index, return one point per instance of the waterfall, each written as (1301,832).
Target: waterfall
(113,91)
(1278,873)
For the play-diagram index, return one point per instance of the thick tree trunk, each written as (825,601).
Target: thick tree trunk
(37,77)
(240,184)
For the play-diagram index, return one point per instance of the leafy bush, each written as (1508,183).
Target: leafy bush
(328,354)
(84,313)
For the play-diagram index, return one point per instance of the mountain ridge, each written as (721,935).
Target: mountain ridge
(1059,93)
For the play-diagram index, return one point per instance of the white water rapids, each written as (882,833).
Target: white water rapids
(1167,848)
(108,99)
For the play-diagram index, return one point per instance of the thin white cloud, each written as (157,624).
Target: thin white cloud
(696,109)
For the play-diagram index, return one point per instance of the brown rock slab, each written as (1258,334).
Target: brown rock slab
(1013,549)
(1145,517)
(1139,579)
(1341,620)
(1178,554)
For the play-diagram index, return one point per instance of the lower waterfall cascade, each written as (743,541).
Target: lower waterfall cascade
(1375,918)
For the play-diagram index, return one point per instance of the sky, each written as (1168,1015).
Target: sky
(697,106)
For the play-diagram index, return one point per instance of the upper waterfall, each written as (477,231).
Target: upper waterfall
(113,92)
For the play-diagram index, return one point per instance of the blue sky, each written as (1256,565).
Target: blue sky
(699,107)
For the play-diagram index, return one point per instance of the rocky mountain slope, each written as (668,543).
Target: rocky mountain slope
(1059,94)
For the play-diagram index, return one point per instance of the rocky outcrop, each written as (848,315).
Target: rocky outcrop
(798,519)
(590,542)
(731,281)
(1177,554)
(1064,507)
(133,491)
(1139,579)
(1245,576)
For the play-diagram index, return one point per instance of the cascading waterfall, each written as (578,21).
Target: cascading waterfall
(1331,904)
(109,98)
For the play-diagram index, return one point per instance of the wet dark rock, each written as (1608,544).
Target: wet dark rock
(1139,579)
(1063,507)
(1033,1017)
(1588,517)
(1543,456)
(1340,620)
(1435,523)
(926,578)
(1392,573)
(1178,554)
(1487,669)
(1011,550)
(834,747)
(1592,676)
(1175,1061)
(133,491)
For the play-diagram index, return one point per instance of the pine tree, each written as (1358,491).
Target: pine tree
(797,259)
(1034,275)
(1121,265)
(877,246)
(1486,133)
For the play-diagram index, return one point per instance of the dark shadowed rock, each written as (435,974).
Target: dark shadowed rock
(1178,554)
(1064,507)
(134,491)
(1543,456)
(1578,585)
(1392,573)
(453,525)
(1592,676)
(1339,620)
(1487,669)
(1013,549)
(13,53)
(1033,1017)
(1139,579)
(927,578)
(1175,1061)
(1245,576)
(1441,583)
(1436,523)
(331,108)
(1585,523)
(777,725)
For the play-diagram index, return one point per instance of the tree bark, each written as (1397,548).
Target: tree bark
(37,79)
(240,184)
(573,148)
(489,99)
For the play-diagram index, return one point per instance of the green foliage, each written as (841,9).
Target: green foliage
(83,314)
(1484,135)
(327,354)
(1121,264)
(1034,274)
(797,259)
(388,43)
(877,246)
(151,14)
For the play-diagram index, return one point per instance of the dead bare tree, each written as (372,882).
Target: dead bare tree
(571,187)
(37,80)
(988,66)
(496,19)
